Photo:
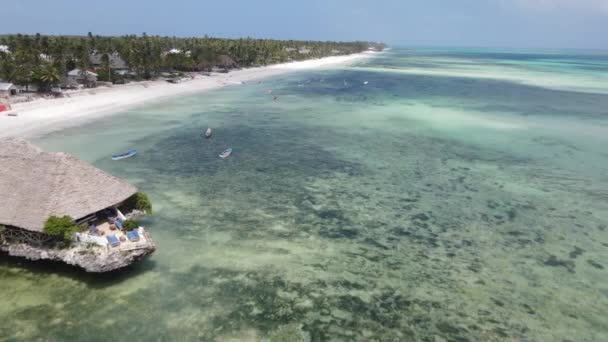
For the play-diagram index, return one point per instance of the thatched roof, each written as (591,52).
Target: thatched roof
(35,185)
(226,62)
(78,72)
(116,62)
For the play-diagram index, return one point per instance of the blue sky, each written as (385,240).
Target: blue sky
(502,23)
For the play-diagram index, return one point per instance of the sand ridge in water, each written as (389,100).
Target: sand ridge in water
(410,208)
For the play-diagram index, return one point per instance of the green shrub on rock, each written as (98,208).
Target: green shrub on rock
(60,227)
(140,201)
(129,225)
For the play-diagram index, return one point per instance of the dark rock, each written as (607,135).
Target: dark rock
(576,252)
(421,224)
(466,243)
(529,310)
(454,332)
(339,233)
(421,217)
(539,239)
(511,214)
(474,267)
(498,302)
(375,243)
(401,231)
(595,264)
(331,214)
(492,204)
(555,262)
(501,332)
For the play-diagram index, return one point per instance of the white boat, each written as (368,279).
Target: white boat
(208,133)
(366,82)
(227,152)
(128,154)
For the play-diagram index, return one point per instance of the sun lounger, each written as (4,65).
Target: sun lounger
(133,236)
(113,240)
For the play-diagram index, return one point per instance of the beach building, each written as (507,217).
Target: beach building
(8,89)
(30,88)
(35,185)
(77,76)
(172,51)
(117,64)
(226,62)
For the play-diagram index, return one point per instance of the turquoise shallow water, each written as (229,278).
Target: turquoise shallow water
(459,195)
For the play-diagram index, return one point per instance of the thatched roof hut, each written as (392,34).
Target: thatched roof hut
(35,185)
(204,66)
(116,62)
(226,62)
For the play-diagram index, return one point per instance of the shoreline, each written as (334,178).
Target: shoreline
(43,116)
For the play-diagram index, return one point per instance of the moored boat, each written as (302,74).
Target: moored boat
(129,153)
(227,152)
(208,133)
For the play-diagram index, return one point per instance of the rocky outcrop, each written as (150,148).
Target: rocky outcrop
(90,257)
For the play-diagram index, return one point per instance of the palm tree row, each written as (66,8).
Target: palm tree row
(44,60)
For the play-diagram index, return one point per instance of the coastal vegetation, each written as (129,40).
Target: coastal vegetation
(45,60)
(60,227)
(129,225)
(140,201)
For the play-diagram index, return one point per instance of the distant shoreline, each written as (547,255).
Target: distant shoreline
(43,116)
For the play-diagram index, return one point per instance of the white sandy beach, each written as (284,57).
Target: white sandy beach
(42,116)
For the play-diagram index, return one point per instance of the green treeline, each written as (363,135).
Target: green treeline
(45,60)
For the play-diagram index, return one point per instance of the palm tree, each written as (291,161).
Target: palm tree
(107,65)
(143,53)
(47,76)
(8,67)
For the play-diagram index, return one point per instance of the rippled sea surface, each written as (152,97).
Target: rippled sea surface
(459,195)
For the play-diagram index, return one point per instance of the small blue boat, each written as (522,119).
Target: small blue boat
(130,153)
(226,153)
